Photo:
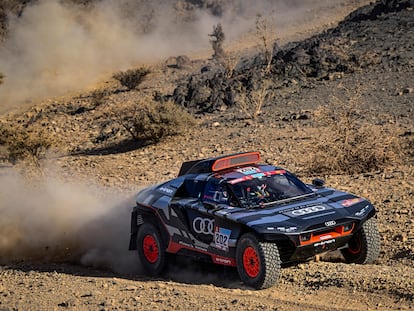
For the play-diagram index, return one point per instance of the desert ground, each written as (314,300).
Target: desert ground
(346,69)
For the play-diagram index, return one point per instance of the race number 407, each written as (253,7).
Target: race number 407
(221,238)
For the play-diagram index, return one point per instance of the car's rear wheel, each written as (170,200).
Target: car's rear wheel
(364,246)
(258,263)
(151,250)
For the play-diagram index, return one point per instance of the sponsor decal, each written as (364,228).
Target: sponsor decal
(256,174)
(248,170)
(185,244)
(325,237)
(283,229)
(188,245)
(221,238)
(237,180)
(350,202)
(323,243)
(330,223)
(362,212)
(203,225)
(224,261)
(166,190)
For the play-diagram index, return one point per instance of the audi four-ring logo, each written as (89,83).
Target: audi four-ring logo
(330,223)
(308,210)
(203,225)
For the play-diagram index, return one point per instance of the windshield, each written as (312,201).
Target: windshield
(262,190)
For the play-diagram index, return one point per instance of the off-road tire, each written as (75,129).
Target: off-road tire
(258,263)
(364,247)
(151,249)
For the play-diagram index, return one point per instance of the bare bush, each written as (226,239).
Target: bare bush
(229,64)
(265,32)
(98,96)
(251,102)
(1,78)
(22,144)
(149,121)
(182,61)
(131,78)
(348,144)
(217,41)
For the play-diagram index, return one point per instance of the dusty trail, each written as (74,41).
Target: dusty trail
(56,285)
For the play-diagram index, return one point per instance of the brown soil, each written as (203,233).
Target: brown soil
(58,254)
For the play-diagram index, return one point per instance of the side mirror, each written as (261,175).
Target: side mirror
(318,183)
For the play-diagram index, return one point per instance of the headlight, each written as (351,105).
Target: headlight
(348,227)
(305,237)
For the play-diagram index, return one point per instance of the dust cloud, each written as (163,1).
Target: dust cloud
(53,221)
(56,47)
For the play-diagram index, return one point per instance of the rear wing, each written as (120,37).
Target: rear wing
(219,163)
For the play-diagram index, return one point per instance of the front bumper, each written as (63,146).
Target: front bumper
(309,250)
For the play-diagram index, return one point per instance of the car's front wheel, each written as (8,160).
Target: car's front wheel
(364,246)
(151,250)
(258,263)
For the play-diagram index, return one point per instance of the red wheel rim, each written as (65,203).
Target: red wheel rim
(150,248)
(355,246)
(251,262)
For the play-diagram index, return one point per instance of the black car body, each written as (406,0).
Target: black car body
(232,211)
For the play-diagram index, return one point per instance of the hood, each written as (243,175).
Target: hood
(302,215)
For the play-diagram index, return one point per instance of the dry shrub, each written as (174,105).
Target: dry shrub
(182,61)
(22,144)
(1,78)
(217,41)
(229,65)
(131,78)
(408,145)
(99,96)
(266,34)
(149,121)
(347,144)
(369,58)
(251,102)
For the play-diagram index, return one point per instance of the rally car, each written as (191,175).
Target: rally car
(233,211)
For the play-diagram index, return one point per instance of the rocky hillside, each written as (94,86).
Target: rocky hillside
(376,37)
